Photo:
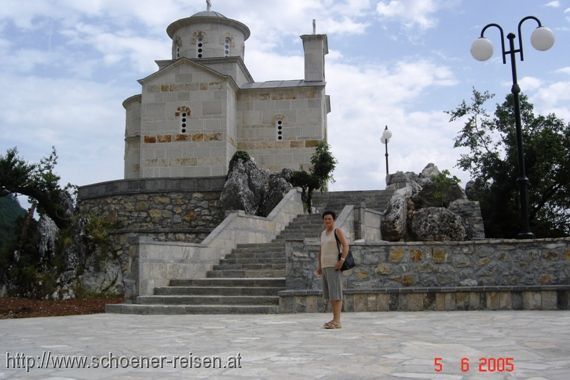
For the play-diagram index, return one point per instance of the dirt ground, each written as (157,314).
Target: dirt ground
(11,307)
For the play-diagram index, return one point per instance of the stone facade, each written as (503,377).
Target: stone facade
(440,264)
(157,209)
(476,275)
(161,213)
(203,105)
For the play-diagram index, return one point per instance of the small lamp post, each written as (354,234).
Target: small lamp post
(541,39)
(386,135)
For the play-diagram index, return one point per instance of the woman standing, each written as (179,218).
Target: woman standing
(329,266)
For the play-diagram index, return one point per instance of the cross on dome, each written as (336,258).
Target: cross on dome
(208,5)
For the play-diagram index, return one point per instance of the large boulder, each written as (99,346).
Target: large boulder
(407,215)
(244,186)
(253,189)
(470,213)
(277,186)
(394,224)
(437,224)
(432,196)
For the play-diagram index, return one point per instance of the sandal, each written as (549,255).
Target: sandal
(327,323)
(333,325)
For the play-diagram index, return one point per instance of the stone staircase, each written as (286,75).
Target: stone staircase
(249,278)
(245,281)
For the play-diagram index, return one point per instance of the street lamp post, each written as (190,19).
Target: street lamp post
(384,139)
(541,39)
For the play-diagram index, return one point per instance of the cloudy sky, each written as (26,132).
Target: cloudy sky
(67,65)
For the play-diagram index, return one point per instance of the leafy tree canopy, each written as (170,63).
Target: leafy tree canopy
(491,160)
(39,182)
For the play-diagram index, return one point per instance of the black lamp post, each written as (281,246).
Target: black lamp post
(386,135)
(542,39)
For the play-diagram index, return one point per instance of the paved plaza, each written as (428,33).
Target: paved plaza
(382,345)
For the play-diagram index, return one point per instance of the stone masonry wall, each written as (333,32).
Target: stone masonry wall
(180,209)
(440,264)
(186,217)
(160,209)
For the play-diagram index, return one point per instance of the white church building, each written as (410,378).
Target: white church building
(203,105)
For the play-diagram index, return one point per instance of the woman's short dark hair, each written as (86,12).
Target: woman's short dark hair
(331,213)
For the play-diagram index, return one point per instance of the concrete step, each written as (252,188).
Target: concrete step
(245,273)
(207,300)
(226,266)
(245,261)
(261,257)
(260,250)
(258,245)
(239,282)
(218,290)
(126,308)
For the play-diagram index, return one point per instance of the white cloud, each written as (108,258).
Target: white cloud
(364,100)
(83,119)
(121,45)
(411,13)
(554,98)
(564,70)
(553,4)
(528,84)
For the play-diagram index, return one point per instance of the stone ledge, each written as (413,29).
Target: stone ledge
(525,297)
(150,185)
(440,289)
(385,243)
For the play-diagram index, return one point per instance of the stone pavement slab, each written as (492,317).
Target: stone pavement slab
(389,345)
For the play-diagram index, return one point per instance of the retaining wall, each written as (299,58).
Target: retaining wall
(506,267)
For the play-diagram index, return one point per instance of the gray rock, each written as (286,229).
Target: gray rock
(470,213)
(277,186)
(48,231)
(437,224)
(470,190)
(400,179)
(394,220)
(430,171)
(253,189)
(103,277)
(431,196)
(468,282)
(244,187)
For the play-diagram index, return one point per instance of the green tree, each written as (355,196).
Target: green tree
(39,182)
(491,160)
(323,164)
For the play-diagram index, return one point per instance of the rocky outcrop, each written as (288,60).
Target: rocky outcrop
(394,223)
(252,189)
(437,224)
(244,187)
(277,186)
(422,209)
(470,213)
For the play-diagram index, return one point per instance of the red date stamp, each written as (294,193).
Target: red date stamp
(482,364)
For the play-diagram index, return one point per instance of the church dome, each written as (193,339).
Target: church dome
(208,14)
(207,17)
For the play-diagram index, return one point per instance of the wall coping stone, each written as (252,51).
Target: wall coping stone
(149,186)
(312,242)
(442,289)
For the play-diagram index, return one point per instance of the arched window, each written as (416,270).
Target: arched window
(227,46)
(183,114)
(279,129)
(200,47)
